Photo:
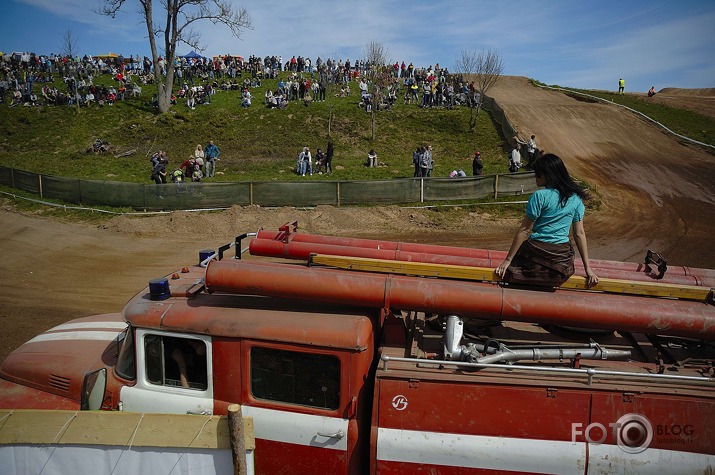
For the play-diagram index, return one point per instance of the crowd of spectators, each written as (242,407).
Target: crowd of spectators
(25,75)
(31,79)
(200,164)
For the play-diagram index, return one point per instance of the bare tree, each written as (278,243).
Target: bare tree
(328,79)
(69,43)
(180,17)
(377,73)
(484,68)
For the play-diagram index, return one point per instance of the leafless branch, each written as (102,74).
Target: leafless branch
(69,43)
(180,17)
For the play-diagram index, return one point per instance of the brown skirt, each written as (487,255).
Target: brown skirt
(541,263)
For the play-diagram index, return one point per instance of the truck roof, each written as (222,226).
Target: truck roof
(190,310)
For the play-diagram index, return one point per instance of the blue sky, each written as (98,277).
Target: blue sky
(585,44)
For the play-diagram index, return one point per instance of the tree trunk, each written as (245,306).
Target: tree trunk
(164,89)
(372,117)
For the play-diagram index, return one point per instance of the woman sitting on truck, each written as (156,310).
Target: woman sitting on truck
(541,253)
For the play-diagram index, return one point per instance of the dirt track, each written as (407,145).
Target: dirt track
(656,192)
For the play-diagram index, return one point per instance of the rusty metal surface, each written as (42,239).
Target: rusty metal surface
(467,299)
(56,361)
(309,323)
(301,248)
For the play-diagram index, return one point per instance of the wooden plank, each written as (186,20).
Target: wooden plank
(485,274)
(119,429)
(41,427)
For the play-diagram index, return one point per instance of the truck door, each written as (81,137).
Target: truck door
(172,374)
(297,400)
(650,434)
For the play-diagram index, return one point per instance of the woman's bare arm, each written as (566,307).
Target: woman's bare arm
(579,235)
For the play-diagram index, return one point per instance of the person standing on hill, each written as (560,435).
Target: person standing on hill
(531,151)
(424,161)
(541,253)
(515,159)
(158,174)
(621,86)
(417,161)
(477,165)
(211,154)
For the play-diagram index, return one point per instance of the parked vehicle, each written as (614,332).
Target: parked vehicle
(356,372)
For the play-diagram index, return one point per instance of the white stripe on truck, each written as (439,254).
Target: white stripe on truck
(85,325)
(531,455)
(475,451)
(299,429)
(84,335)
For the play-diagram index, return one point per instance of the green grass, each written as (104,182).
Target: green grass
(684,122)
(256,143)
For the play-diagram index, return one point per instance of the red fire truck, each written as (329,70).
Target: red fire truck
(392,358)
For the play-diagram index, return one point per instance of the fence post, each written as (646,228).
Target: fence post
(250,193)
(422,190)
(236,437)
(496,186)
(39,182)
(338,191)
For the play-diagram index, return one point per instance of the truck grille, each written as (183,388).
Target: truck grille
(59,382)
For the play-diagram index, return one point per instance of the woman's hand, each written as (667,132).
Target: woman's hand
(501,270)
(591,278)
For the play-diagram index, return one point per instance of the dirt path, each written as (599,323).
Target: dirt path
(656,194)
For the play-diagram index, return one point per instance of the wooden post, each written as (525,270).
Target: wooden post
(238,445)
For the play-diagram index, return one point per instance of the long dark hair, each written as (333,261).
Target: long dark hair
(553,169)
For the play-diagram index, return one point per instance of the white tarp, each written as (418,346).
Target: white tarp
(100,460)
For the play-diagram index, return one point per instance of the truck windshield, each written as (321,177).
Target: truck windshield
(125,363)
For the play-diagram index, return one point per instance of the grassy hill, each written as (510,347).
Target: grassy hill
(262,144)
(256,143)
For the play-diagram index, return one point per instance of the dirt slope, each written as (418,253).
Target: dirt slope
(656,194)
(701,101)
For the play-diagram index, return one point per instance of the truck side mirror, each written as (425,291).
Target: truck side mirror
(93,387)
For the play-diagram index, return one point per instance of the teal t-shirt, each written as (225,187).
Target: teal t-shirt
(552,222)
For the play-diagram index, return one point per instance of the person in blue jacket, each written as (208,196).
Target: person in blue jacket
(211,154)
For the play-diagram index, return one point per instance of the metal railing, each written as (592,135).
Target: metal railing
(589,373)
